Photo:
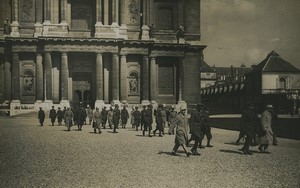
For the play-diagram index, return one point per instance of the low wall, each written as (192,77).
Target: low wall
(286,127)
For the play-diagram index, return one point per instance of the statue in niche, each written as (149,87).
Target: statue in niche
(133,11)
(180,33)
(152,31)
(27,7)
(28,82)
(133,84)
(6,27)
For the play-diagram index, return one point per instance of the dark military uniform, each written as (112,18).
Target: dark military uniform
(207,128)
(104,113)
(159,121)
(124,117)
(41,116)
(136,115)
(172,119)
(97,119)
(52,115)
(148,121)
(249,120)
(197,128)
(116,117)
(81,118)
(59,115)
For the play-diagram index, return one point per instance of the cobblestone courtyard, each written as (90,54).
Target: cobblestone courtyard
(34,156)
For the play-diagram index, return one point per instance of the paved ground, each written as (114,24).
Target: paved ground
(34,156)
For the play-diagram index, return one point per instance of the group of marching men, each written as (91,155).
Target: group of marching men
(178,123)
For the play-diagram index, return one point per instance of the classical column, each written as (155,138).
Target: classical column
(38,27)
(123,12)
(63,6)
(145,79)
(15,16)
(39,77)
(48,76)
(64,76)
(123,80)
(180,79)
(106,12)
(7,80)
(99,77)
(99,10)
(115,77)
(16,77)
(47,11)
(115,11)
(153,83)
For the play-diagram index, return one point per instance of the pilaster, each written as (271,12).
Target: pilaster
(115,77)
(7,80)
(48,76)
(123,80)
(64,76)
(39,77)
(15,15)
(153,81)
(145,80)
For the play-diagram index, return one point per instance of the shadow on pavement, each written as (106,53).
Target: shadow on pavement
(170,153)
(234,144)
(231,151)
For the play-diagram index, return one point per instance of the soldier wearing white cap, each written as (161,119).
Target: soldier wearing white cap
(266,135)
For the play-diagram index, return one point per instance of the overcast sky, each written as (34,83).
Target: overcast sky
(237,31)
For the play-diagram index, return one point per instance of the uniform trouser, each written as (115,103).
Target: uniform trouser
(52,120)
(59,120)
(136,125)
(147,126)
(248,142)
(171,129)
(176,146)
(241,135)
(116,124)
(207,132)
(41,121)
(142,125)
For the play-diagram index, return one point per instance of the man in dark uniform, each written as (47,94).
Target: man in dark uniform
(41,116)
(249,120)
(148,120)
(197,127)
(137,117)
(143,115)
(207,128)
(116,117)
(124,116)
(171,119)
(104,113)
(159,121)
(59,115)
(81,112)
(64,112)
(52,115)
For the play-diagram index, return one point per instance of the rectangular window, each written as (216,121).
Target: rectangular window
(166,80)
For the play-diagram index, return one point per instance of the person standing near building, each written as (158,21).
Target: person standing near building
(181,124)
(64,112)
(148,120)
(52,115)
(59,115)
(274,127)
(206,126)
(143,115)
(197,127)
(159,121)
(104,117)
(41,116)
(249,121)
(171,120)
(97,119)
(136,115)
(110,115)
(81,117)
(266,136)
(124,116)
(116,117)
(164,118)
(68,118)
(90,114)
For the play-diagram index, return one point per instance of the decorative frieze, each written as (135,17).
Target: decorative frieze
(81,48)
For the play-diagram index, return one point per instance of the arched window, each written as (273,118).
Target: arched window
(282,83)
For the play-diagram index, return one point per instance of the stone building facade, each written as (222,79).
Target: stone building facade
(99,51)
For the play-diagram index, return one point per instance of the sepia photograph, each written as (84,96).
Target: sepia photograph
(150,93)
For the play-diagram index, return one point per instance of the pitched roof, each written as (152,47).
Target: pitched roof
(274,63)
(205,67)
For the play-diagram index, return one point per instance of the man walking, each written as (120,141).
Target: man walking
(116,117)
(197,127)
(52,115)
(110,115)
(266,136)
(90,114)
(41,116)
(81,117)
(249,120)
(159,121)
(207,128)
(181,137)
(59,115)
(97,121)
(136,115)
(124,116)
(171,120)
(68,118)
(104,117)
(143,115)
(148,120)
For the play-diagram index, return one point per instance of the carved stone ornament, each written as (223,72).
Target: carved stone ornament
(133,8)
(27,9)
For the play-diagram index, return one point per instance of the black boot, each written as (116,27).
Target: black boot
(208,143)
(94,130)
